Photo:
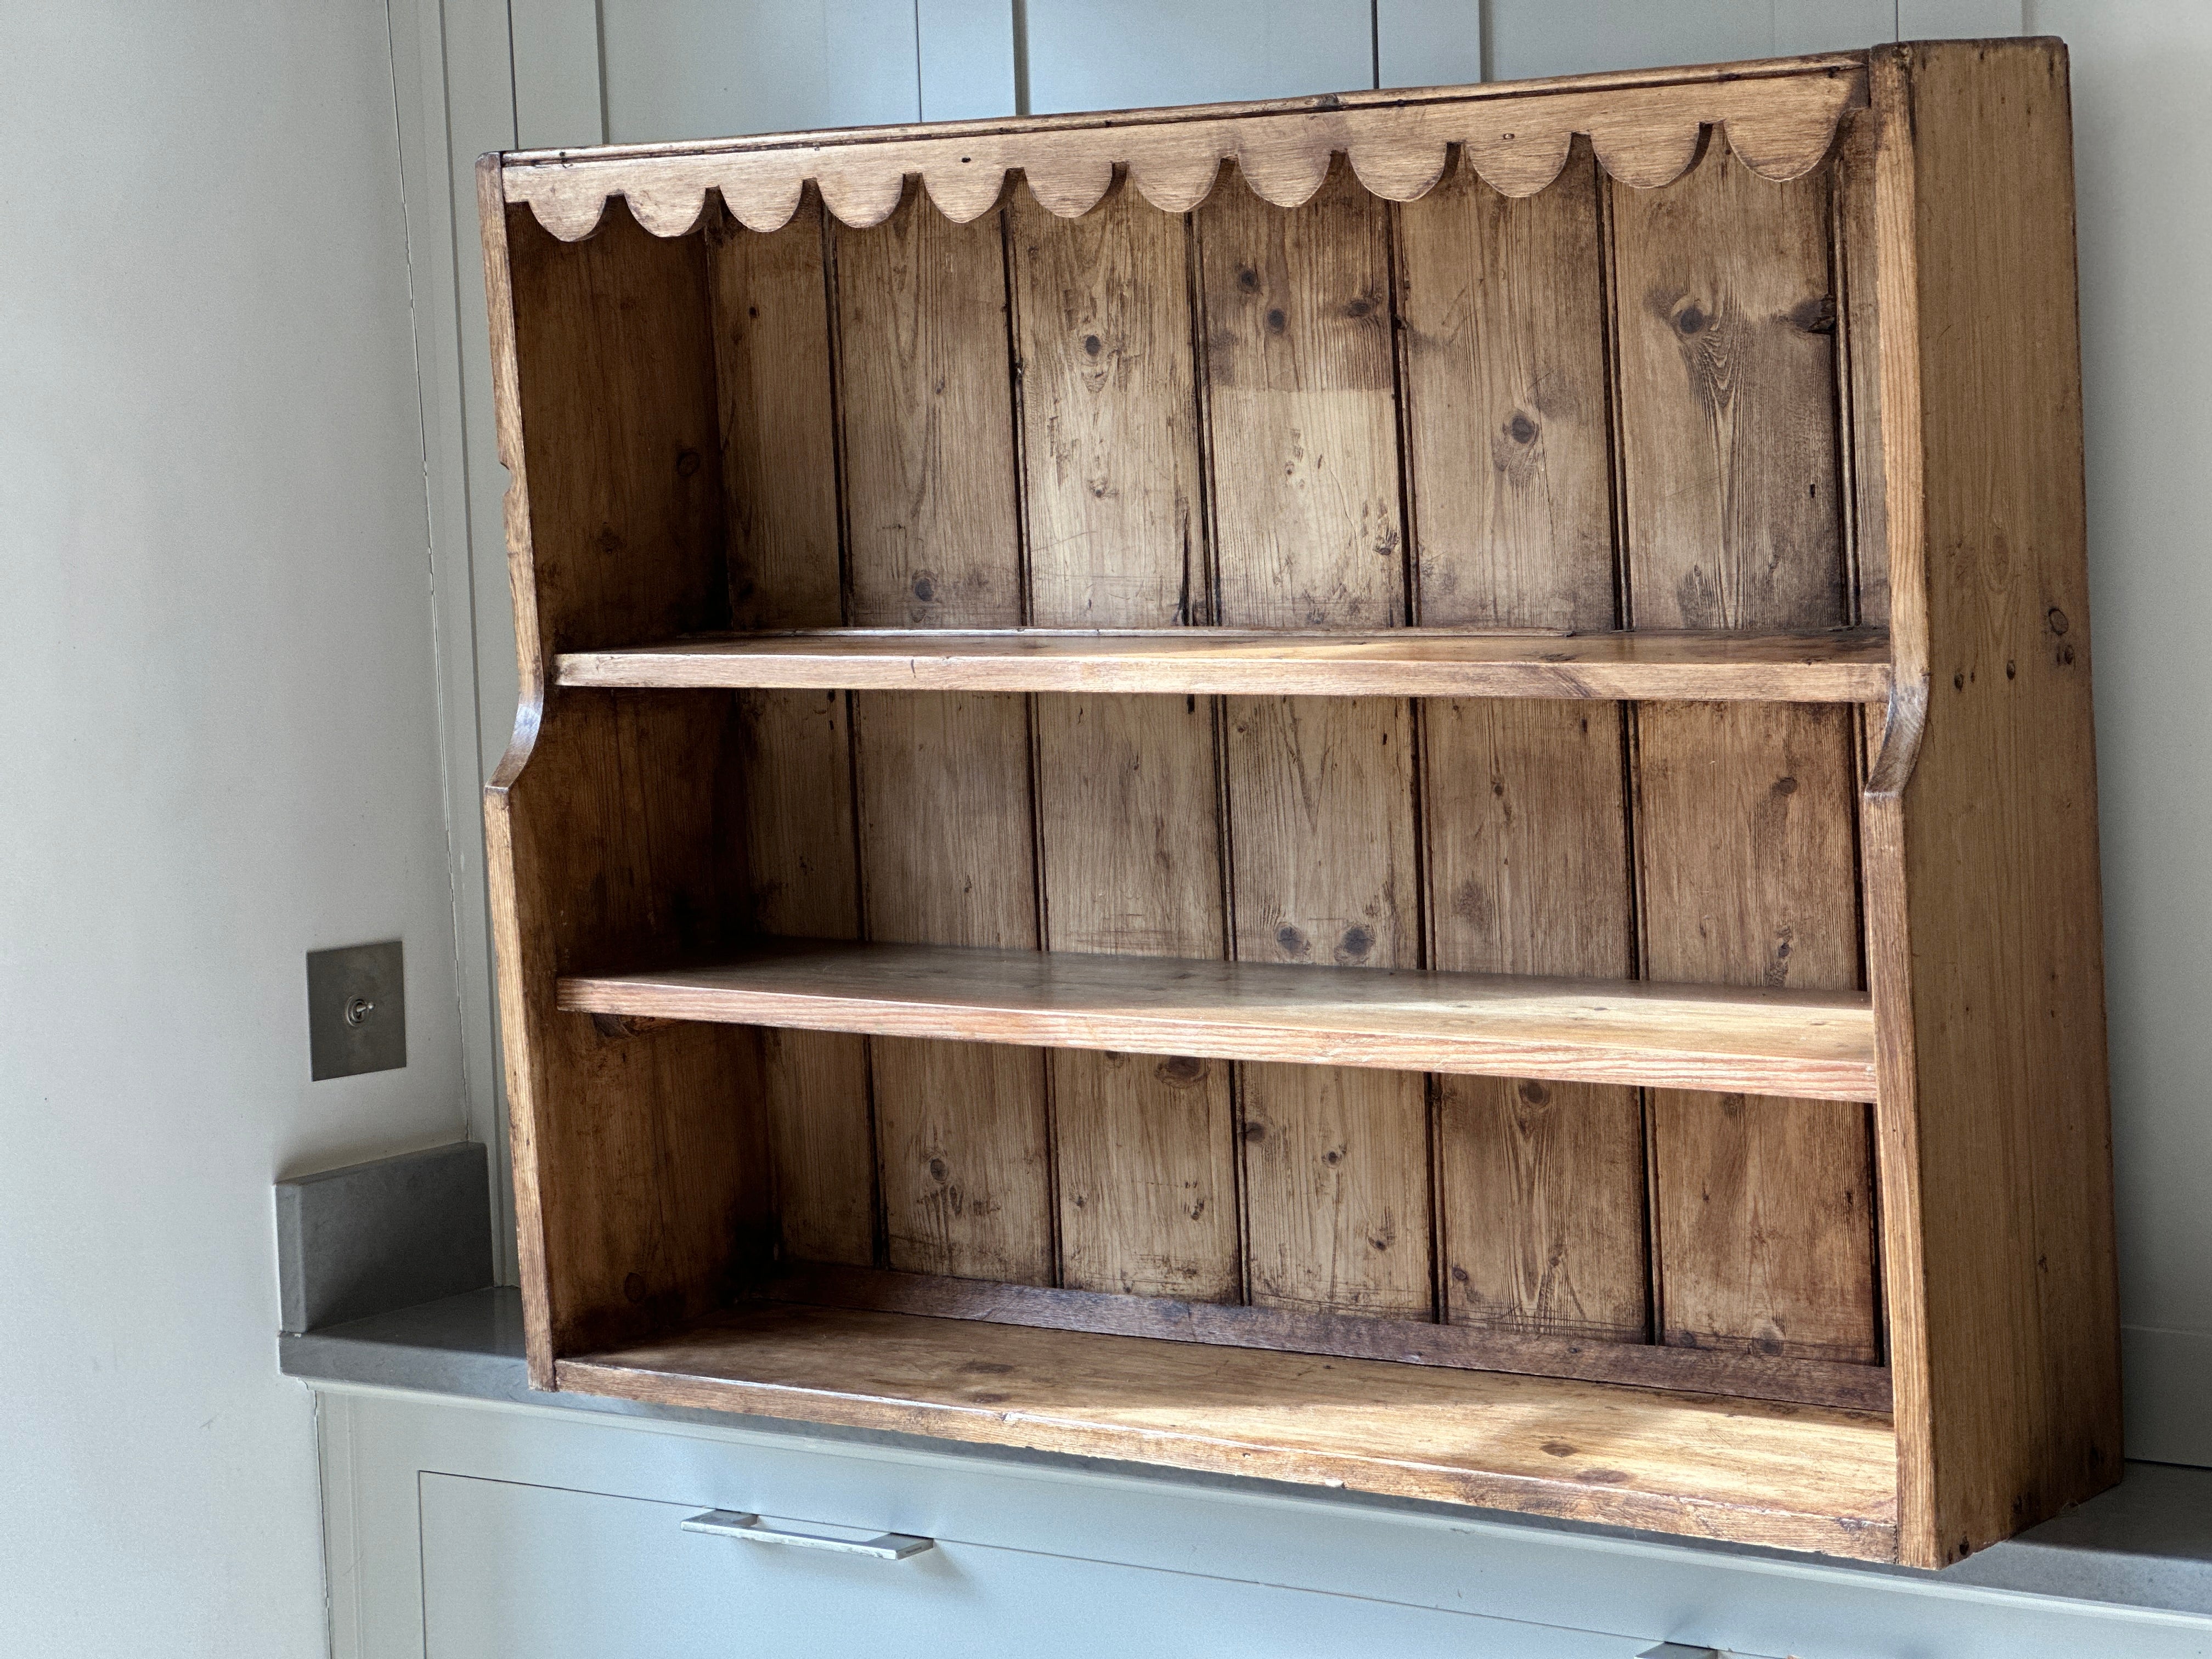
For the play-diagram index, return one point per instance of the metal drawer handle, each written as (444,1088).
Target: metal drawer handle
(735,1523)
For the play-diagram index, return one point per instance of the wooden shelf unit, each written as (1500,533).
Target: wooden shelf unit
(1392,789)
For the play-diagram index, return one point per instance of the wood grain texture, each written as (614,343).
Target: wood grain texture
(1128,832)
(1829,665)
(1319,793)
(774,373)
(1643,127)
(1406,1342)
(1793,1477)
(1766,1220)
(772,376)
(1982,871)
(1727,398)
(1505,397)
(1540,1184)
(1768,1041)
(641,1182)
(947,840)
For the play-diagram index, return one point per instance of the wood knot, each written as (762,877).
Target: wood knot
(1092,345)
(924,587)
(1277,321)
(634,1287)
(1535,1093)
(687,463)
(1521,428)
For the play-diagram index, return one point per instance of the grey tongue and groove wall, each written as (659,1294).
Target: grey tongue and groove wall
(543,72)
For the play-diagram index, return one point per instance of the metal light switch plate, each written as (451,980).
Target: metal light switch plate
(356,1010)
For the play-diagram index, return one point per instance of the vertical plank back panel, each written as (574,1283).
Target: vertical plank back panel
(1127,796)
(773,373)
(1725,318)
(1296,329)
(946,836)
(1542,1183)
(641,1178)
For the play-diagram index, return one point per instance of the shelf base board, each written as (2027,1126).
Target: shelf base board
(1788,1477)
(1744,1375)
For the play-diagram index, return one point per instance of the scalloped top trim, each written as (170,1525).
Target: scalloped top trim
(1780,124)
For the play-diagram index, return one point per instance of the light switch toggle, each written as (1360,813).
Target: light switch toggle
(356,1010)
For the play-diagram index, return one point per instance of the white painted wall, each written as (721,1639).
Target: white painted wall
(215,662)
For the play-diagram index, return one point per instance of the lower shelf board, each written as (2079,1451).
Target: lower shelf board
(1801,1044)
(1744,1375)
(1790,1476)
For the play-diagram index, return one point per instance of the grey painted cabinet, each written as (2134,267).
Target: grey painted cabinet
(516,1571)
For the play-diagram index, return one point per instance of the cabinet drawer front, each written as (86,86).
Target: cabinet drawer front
(511,1569)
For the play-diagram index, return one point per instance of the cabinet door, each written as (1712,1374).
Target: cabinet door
(512,1570)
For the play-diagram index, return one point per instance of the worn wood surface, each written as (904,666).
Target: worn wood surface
(1794,1477)
(639,1172)
(1319,793)
(1757,1041)
(774,375)
(1831,665)
(1982,858)
(1643,127)
(1728,397)
(1439,574)
(946,835)
(1540,1184)
(1127,835)
(1457,1346)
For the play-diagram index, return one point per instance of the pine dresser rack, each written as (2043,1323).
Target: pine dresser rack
(1391,790)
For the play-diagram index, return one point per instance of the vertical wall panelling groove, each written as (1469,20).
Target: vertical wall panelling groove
(1728,394)
(947,842)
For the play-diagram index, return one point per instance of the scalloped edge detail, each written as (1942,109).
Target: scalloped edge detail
(1780,126)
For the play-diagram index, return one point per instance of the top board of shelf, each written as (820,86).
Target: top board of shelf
(1837,666)
(1645,128)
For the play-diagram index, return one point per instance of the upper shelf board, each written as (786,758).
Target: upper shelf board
(1844,665)
(1798,1043)
(1645,128)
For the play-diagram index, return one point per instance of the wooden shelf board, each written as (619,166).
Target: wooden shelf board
(1800,1043)
(1791,1477)
(1740,1374)
(1841,665)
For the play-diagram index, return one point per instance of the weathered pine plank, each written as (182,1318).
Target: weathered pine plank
(1764,1041)
(773,373)
(947,845)
(1128,836)
(1726,319)
(1303,418)
(1793,1476)
(1831,665)
(1542,1183)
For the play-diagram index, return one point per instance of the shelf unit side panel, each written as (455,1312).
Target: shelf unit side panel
(1725,321)
(1988,926)
(1540,1185)
(609,822)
